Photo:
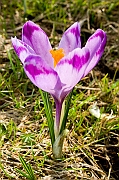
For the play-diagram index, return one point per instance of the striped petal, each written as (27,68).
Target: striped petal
(42,75)
(71,38)
(37,39)
(21,49)
(72,68)
(96,44)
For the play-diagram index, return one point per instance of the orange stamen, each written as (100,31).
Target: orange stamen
(57,55)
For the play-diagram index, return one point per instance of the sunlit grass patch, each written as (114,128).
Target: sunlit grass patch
(85,131)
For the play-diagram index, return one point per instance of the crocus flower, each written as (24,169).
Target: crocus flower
(58,71)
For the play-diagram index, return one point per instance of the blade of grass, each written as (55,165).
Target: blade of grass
(22,173)
(27,167)
(3,169)
(48,111)
(11,63)
(68,101)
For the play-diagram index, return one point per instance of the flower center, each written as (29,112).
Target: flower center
(57,55)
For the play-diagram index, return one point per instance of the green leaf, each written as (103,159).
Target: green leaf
(27,167)
(3,169)
(68,101)
(22,173)
(49,115)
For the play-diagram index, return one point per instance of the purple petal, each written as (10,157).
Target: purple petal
(72,68)
(37,39)
(71,38)
(42,75)
(58,117)
(21,49)
(96,44)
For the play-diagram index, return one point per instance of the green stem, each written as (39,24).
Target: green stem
(58,144)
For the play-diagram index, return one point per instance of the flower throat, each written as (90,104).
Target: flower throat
(57,55)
